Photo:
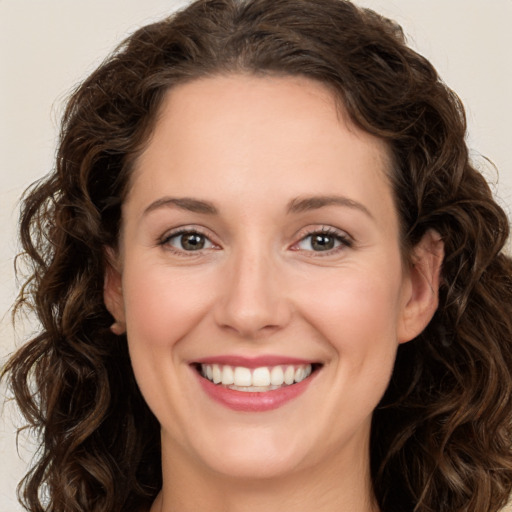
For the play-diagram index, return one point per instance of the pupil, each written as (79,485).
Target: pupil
(322,242)
(192,241)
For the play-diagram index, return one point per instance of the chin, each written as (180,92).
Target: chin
(256,467)
(259,454)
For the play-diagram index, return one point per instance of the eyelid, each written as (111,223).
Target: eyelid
(346,241)
(180,230)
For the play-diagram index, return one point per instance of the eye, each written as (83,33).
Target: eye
(323,241)
(188,241)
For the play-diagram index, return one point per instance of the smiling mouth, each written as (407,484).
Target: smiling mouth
(264,378)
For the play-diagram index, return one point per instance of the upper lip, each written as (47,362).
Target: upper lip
(253,362)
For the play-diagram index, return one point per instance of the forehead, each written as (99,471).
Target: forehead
(276,132)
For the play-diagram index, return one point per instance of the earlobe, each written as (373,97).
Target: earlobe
(422,298)
(113,293)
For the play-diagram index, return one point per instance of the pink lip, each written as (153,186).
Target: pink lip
(253,401)
(252,362)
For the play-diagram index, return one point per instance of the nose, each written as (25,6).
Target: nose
(252,299)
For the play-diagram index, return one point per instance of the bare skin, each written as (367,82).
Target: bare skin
(296,254)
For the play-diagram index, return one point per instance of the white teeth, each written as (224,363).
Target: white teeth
(277,376)
(254,389)
(299,374)
(216,374)
(242,376)
(257,379)
(227,376)
(261,377)
(289,375)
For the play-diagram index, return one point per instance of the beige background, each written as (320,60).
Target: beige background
(47,46)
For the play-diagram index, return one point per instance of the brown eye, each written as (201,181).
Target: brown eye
(323,241)
(192,241)
(189,241)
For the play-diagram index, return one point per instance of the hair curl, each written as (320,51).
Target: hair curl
(442,435)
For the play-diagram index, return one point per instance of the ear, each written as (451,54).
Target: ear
(113,291)
(422,287)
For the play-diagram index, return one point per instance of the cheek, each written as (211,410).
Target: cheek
(162,305)
(357,316)
(357,309)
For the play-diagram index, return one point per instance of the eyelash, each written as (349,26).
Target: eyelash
(339,236)
(165,241)
(343,240)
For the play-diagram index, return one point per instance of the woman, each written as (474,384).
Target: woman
(268,277)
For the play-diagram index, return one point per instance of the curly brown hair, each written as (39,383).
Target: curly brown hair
(442,434)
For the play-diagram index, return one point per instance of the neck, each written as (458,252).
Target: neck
(328,486)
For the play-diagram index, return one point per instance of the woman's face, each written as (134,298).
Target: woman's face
(260,242)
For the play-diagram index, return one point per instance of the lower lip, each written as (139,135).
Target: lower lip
(251,401)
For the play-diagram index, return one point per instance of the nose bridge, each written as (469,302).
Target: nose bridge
(252,301)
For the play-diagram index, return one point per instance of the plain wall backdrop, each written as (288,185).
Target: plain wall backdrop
(48,46)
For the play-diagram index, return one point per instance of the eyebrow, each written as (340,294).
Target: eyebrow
(184,203)
(303,204)
(297,205)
